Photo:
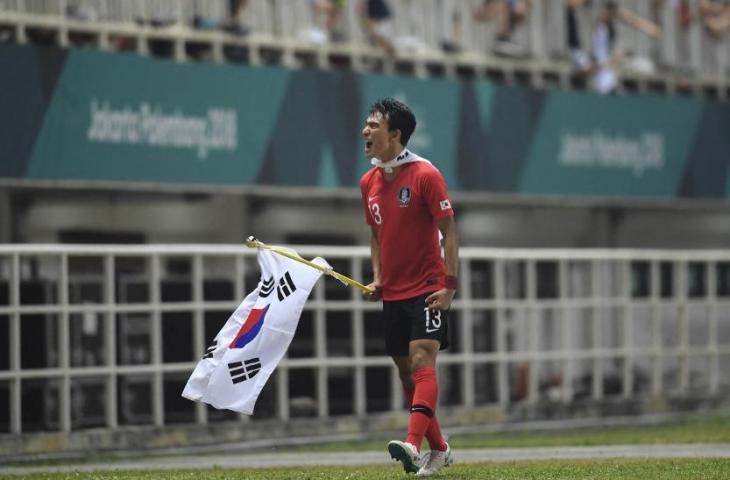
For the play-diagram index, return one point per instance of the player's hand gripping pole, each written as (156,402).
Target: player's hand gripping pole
(253,242)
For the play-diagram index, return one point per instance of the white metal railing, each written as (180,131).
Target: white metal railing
(105,336)
(420,26)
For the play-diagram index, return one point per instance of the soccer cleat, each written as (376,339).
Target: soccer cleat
(436,461)
(405,453)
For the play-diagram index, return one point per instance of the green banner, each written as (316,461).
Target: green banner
(91,115)
(130,118)
(591,145)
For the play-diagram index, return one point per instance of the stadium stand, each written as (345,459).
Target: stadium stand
(690,54)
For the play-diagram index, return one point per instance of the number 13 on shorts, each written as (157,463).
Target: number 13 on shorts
(433,320)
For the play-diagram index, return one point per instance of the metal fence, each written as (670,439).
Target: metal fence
(106,336)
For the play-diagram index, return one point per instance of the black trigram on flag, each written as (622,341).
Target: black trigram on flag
(286,287)
(267,286)
(209,351)
(242,371)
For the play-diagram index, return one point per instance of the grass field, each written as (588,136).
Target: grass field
(715,429)
(700,429)
(676,469)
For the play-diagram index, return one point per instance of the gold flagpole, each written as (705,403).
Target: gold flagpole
(253,242)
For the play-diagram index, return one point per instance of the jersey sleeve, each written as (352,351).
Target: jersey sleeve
(436,194)
(364,193)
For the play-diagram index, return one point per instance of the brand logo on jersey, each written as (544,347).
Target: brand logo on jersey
(445,204)
(402,155)
(404,196)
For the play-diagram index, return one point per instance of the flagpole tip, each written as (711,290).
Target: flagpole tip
(252,242)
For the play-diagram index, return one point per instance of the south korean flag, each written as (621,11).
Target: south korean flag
(235,368)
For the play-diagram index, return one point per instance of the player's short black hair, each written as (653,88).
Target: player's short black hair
(398,115)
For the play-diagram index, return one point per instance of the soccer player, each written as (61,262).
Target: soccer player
(406,205)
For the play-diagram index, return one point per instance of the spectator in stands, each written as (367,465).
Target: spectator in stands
(377,22)
(232,22)
(715,16)
(81,13)
(451,40)
(578,55)
(605,56)
(509,14)
(331,11)
(326,27)
(683,13)
(602,72)
(680,18)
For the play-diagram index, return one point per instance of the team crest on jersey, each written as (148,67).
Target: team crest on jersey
(404,196)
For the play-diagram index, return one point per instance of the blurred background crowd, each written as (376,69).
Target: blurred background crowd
(593,42)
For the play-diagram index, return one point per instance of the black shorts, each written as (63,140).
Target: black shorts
(410,319)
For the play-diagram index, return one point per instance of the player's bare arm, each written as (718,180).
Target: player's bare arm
(441,299)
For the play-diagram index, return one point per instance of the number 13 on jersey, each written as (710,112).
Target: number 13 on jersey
(375,209)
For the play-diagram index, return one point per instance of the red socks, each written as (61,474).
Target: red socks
(433,435)
(433,432)
(423,421)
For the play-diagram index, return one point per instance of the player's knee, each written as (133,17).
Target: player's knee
(422,359)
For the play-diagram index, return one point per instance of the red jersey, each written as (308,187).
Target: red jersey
(404,213)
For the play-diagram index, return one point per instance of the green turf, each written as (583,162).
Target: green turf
(700,429)
(716,430)
(711,429)
(675,469)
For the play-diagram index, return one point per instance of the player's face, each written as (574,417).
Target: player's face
(378,140)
